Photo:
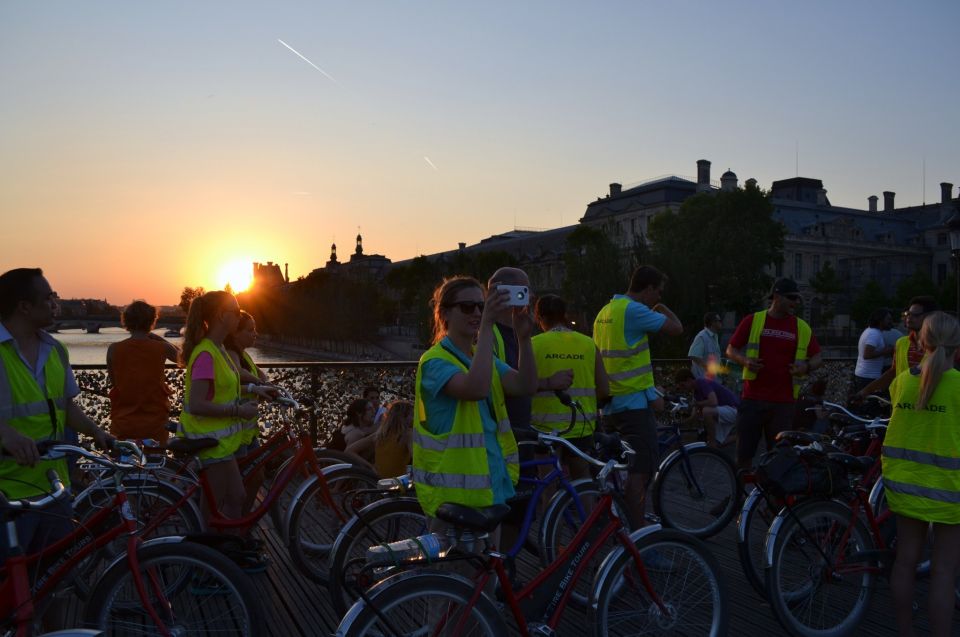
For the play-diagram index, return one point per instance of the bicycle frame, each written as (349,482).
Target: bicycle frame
(575,558)
(18,596)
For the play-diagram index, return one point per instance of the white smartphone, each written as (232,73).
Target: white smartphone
(519,294)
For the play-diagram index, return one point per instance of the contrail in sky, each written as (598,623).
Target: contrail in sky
(297,53)
(427,159)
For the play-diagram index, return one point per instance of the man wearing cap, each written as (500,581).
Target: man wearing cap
(705,348)
(776,350)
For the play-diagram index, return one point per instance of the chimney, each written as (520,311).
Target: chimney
(461,245)
(703,175)
(822,197)
(888,200)
(946,190)
(872,201)
(615,189)
(286,273)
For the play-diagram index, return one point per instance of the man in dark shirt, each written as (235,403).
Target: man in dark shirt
(716,404)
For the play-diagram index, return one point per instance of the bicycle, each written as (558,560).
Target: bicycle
(694,487)
(395,518)
(760,508)
(150,589)
(624,589)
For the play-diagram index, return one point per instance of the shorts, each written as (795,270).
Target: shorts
(726,422)
(638,429)
(757,418)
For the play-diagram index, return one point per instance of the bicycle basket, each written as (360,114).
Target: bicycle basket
(787,471)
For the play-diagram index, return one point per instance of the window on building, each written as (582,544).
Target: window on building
(798,266)
(816,263)
(942,239)
(941,273)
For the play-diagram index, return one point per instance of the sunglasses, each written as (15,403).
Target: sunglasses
(907,313)
(468,307)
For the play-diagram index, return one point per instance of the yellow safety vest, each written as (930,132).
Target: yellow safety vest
(453,466)
(901,359)
(804,334)
(226,391)
(554,351)
(39,413)
(921,450)
(251,428)
(499,349)
(628,364)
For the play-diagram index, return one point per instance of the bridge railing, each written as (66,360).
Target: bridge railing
(326,388)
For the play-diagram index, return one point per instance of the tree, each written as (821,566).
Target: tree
(826,283)
(715,249)
(918,284)
(187,296)
(594,271)
(870,298)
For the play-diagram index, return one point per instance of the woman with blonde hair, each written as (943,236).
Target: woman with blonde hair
(393,440)
(921,473)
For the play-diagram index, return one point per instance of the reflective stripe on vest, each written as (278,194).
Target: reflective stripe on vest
(453,467)
(921,450)
(38,412)
(558,350)
(228,430)
(752,349)
(628,364)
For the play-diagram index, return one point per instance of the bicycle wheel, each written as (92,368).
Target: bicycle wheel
(752,525)
(149,500)
(695,490)
(314,526)
(810,593)
(423,602)
(561,523)
(193,588)
(683,574)
(380,522)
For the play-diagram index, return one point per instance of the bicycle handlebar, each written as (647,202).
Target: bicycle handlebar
(866,421)
(59,491)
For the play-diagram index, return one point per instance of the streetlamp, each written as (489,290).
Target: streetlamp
(953,224)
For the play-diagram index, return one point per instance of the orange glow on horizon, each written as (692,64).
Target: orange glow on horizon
(238,273)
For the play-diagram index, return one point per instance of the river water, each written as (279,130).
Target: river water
(91,349)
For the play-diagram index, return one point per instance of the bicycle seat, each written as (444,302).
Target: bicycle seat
(853,464)
(190,446)
(481,519)
(801,437)
(608,445)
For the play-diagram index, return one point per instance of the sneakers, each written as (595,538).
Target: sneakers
(655,562)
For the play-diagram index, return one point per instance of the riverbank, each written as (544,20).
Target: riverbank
(323,350)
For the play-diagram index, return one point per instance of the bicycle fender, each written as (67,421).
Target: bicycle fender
(397,579)
(673,455)
(605,567)
(772,537)
(875,492)
(748,503)
(309,482)
(170,539)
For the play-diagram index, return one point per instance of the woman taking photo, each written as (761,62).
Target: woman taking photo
(463,448)
(211,400)
(139,395)
(921,456)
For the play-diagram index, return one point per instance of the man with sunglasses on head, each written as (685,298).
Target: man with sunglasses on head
(776,349)
(908,352)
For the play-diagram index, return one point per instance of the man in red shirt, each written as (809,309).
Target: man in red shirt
(767,404)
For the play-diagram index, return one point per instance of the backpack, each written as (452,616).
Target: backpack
(788,471)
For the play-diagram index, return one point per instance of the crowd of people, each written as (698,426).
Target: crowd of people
(490,378)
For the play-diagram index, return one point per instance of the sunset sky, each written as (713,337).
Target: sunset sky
(147,146)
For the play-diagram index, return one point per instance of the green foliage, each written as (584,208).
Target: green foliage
(594,272)
(870,298)
(187,296)
(826,283)
(948,294)
(918,284)
(715,250)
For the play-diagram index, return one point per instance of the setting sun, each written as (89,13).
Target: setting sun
(239,274)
